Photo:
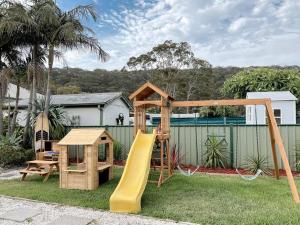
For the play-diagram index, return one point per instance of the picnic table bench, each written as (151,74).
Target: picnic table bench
(39,167)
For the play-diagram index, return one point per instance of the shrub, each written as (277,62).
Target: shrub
(118,149)
(216,153)
(11,152)
(254,163)
(10,156)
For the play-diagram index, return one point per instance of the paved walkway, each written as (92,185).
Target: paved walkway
(50,213)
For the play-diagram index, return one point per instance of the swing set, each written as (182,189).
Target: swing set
(144,98)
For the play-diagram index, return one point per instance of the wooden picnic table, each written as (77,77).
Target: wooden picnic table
(40,167)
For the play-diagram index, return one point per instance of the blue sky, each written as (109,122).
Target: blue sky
(224,32)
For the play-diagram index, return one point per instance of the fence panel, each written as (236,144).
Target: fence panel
(242,142)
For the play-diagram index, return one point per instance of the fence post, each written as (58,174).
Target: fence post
(231,146)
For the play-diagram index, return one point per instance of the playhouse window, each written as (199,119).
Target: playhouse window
(102,152)
(76,159)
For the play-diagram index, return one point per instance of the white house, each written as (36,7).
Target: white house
(283,104)
(87,109)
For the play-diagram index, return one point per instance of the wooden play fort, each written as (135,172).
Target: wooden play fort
(149,96)
(86,159)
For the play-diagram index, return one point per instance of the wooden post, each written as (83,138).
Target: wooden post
(161,177)
(282,152)
(272,139)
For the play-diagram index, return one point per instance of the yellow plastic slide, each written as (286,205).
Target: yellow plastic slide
(127,196)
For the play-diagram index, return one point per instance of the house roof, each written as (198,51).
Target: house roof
(148,89)
(273,95)
(24,93)
(82,99)
(83,137)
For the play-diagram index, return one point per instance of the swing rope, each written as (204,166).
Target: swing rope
(259,171)
(189,173)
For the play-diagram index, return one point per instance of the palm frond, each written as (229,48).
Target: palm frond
(84,11)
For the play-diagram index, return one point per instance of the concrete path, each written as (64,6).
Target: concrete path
(51,213)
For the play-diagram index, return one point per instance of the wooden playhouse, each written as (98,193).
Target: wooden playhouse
(86,159)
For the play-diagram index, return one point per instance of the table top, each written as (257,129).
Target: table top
(43,162)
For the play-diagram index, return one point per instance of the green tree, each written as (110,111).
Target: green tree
(166,62)
(262,79)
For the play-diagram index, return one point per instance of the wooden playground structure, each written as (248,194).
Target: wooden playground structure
(81,165)
(144,98)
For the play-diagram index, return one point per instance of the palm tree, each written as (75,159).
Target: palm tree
(68,32)
(22,23)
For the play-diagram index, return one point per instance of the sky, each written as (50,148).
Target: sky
(223,32)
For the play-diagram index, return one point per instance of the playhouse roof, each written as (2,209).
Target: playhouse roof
(83,137)
(148,89)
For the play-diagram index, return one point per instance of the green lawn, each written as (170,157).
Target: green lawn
(201,199)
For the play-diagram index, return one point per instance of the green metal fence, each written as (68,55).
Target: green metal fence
(242,142)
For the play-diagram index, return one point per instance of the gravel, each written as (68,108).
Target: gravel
(51,212)
(7,174)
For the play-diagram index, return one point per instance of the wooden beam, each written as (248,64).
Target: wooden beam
(148,102)
(282,152)
(272,140)
(220,102)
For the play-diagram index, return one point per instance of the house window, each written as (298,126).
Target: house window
(76,159)
(277,115)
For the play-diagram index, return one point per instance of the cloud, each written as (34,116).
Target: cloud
(224,32)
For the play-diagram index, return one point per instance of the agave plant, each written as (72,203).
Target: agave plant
(254,163)
(14,140)
(216,153)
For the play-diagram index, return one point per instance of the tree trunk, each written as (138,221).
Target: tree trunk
(1,115)
(8,117)
(26,129)
(50,64)
(1,101)
(15,112)
(34,76)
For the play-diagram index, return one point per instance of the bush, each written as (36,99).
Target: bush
(118,149)
(10,156)
(255,163)
(11,152)
(216,153)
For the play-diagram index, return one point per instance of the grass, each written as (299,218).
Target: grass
(200,199)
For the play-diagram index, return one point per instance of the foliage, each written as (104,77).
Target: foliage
(216,153)
(175,157)
(166,60)
(298,165)
(57,119)
(218,111)
(118,150)
(262,79)
(13,141)
(9,157)
(70,89)
(254,163)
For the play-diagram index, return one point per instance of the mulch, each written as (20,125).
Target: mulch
(217,170)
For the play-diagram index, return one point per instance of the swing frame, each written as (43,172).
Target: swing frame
(141,102)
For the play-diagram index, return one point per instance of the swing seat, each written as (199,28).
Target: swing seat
(249,177)
(188,173)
